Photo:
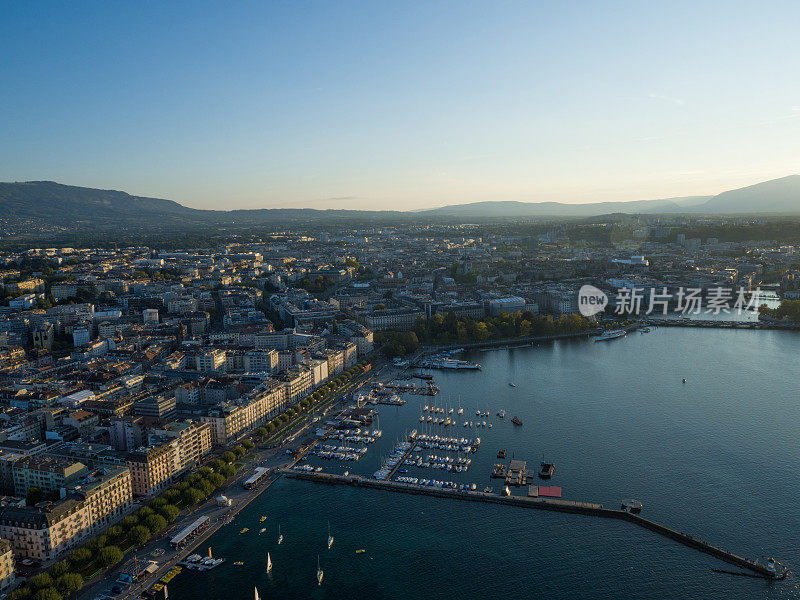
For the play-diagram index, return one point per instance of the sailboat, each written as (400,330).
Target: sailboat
(269,563)
(330,537)
(257,596)
(280,535)
(319,572)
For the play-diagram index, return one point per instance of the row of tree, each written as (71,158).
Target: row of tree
(450,329)
(309,402)
(788,309)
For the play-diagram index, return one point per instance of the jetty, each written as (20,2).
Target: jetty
(537,502)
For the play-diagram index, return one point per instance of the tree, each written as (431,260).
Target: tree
(113,532)
(40,582)
(59,569)
(173,495)
(96,543)
(143,513)
(34,496)
(192,496)
(170,511)
(217,480)
(47,594)
(108,556)
(69,583)
(248,444)
(22,593)
(239,451)
(204,471)
(139,535)
(159,502)
(79,557)
(156,523)
(228,456)
(130,521)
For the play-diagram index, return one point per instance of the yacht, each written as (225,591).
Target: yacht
(330,537)
(319,572)
(610,335)
(269,563)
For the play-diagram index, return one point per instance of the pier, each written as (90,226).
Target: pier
(565,506)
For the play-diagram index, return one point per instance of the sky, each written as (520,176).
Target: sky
(399,105)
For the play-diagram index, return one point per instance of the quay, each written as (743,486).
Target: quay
(565,506)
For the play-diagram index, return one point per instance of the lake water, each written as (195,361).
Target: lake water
(716,457)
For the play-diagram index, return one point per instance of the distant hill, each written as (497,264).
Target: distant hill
(780,196)
(558,209)
(50,201)
(56,203)
(72,206)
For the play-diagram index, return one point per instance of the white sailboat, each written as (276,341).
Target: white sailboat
(257,596)
(330,537)
(319,572)
(269,563)
(280,536)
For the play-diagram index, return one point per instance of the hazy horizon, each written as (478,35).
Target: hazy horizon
(368,106)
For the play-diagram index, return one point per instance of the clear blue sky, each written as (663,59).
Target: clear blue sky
(399,104)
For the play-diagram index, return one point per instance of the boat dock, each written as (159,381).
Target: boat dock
(537,502)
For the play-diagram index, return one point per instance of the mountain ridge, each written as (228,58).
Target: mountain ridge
(54,202)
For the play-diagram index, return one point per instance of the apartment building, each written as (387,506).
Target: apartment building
(190,441)
(49,529)
(8,570)
(151,469)
(299,383)
(232,421)
(361,336)
(46,472)
(107,494)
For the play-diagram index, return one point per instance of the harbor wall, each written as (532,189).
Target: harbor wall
(565,506)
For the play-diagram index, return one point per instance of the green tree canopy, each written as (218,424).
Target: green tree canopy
(138,535)
(69,583)
(170,511)
(155,523)
(108,556)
